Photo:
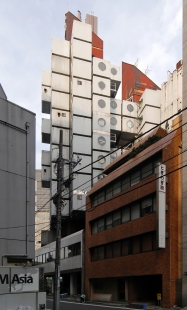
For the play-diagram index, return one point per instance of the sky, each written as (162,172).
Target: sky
(142,32)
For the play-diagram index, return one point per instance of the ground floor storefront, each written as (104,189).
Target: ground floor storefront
(136,289)
(70,283)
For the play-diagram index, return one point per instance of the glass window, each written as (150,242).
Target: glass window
(108,221)
(94,254)
(135,178)
(125,247)
(78,248)
(147,170)
(62,253)
(136,245)
(71,250)
(116,249)
(146,206)
(125,214)
(116,187)
(101,197)
(94,201)
(108,249)
(94,227)
(66,252)
(135,211)
(100,252)
(147,243)
(116,218)
(109,192)
(100,224)
(125,183)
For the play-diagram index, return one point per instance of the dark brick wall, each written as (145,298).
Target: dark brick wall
(163,263)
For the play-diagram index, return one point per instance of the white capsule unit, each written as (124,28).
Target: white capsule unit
(101,141)
(101,86)
(60,65)
(101,67)
(82,125)
(115,106)
(81,106)
(101,104)
(60,100)
(60,118)
(60,82)
(100,159)
(61,47)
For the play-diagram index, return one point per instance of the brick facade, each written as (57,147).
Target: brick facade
(146,273)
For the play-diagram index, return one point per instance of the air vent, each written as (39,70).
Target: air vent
(113,137)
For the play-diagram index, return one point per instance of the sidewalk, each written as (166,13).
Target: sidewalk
(124,304)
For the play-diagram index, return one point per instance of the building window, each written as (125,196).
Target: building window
(100,252)
(135,211)
(135,178)
(147,170)
(130,246)
(101,225)
(126,216)
(116,187)
(136,245)
(79,82)
(116,218)
(125,183)
(109,221)
(94,227)
(146,206)
(108,250)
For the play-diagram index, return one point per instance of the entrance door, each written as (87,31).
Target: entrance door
(121,288)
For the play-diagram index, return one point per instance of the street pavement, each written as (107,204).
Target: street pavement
(70,303)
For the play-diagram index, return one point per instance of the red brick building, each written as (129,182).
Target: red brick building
(123,255)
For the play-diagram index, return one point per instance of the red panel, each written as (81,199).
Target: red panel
(69,24)
(134,82)
(97,43)
(97,46)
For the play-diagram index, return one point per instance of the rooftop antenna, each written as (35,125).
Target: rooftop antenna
(147,70)
(137,62)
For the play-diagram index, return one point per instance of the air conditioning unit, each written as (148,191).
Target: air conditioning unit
(113,137)
(113,86)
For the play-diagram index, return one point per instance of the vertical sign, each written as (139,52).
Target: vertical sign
(161,205)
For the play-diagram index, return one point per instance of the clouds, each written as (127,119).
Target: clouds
(130,29)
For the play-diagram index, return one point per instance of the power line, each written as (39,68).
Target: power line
(158,125)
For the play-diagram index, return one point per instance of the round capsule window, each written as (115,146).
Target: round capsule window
(101,103)
(130,124)
(113,155)
(113,121)
(101,122)
(102,66)
(113,71)
(101,159)
(113,104)
(101,140)
(130,107)
(101,85)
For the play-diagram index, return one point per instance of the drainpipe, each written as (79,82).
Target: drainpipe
(27,126)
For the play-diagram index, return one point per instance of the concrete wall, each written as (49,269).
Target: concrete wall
(17,180)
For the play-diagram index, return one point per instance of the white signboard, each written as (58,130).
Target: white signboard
(161,205)
(19,279)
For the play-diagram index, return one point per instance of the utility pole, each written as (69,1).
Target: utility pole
(60,181)
(57,200)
